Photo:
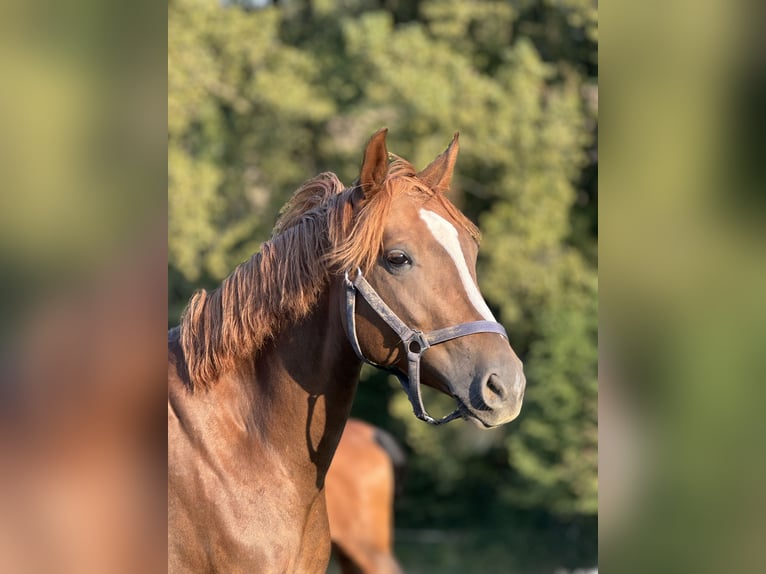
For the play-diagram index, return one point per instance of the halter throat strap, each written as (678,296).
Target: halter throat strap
(415,342)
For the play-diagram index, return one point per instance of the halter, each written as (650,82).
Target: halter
(415,342)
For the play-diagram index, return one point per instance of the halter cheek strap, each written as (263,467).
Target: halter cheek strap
(415,342)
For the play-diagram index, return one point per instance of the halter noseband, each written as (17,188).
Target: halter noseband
(415,342)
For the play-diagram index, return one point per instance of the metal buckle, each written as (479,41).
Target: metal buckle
(349,283)
(419,339)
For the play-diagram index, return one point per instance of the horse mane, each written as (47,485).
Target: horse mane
(319,233)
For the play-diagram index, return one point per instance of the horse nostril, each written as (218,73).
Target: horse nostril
(495,388)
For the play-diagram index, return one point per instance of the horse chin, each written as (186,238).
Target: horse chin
(473,418)
(484,420)
(480,424)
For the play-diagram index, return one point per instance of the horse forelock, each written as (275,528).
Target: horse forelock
(318,234)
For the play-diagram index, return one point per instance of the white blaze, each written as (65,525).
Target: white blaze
(446,234)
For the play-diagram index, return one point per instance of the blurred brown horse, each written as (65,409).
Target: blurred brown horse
(262,371)
(360,486)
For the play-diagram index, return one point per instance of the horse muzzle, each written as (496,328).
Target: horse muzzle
(494,397)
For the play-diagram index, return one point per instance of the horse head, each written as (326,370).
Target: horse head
(421,313)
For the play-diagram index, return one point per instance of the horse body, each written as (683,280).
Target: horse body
(360,501)
(250,494)
(263,370)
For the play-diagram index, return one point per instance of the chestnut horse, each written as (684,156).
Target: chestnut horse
(263,370)
(364,475)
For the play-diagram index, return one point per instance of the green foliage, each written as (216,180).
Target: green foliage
(555,449)
(242,111)
(263,97)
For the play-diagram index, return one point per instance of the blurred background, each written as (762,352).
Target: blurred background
(83,287)
(263,95)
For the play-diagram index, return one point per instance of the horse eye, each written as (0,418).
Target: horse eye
(397,258)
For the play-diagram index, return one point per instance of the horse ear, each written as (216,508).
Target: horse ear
(438,174)
(375,163)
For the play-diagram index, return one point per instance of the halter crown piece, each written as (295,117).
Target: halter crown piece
(415,342)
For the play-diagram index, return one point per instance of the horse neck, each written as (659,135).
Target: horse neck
(300,388)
